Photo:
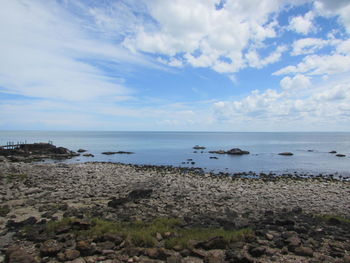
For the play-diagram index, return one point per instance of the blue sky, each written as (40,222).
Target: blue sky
(190,65)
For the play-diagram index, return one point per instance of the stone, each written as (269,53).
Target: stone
(346,259)
(16,254)
(234,151)
(213,243)
(140,194)
(304,251)
(257,251)
(13,224)
(81,151)
(191,260)
(174,259)
(50,247)
(215,256)
(85,248)
(71,254)
(340,155)
(286,153)
(197,147)
(293,242)
(78,260)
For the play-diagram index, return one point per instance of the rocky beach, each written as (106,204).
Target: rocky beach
(283,219)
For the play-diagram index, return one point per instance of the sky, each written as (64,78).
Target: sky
(175,65)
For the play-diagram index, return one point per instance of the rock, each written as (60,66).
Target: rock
(286,153)
(213,243)
(237,151)
(340,155)
(333,152)
(88,155)
(13,224)
(81,151)
(6,240)
(173,259)
(85,248)
(333,221)
(116,202)
(285,222)
(16,254)
(215,256)
(293,242)
(257,251)
(234,151)
(140,194)
(36,151)
(197,147)
(213,157)
(346,259)
(50,247)
(191,260)
(78,260)
(304,251)
(237,256)
(71,254)
(119,152)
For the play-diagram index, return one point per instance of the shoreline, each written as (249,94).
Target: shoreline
(104,190)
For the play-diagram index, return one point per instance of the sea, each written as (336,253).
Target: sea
(310,149)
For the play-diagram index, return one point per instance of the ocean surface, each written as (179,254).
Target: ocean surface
(311,149)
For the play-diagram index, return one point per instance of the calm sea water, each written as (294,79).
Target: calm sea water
(174,148)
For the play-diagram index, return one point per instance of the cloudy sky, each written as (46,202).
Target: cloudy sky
(193,65)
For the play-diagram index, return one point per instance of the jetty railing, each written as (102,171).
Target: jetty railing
(15,145)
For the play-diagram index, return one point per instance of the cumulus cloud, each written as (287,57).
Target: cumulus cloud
(308,46)
(340,8)
(312,107)
(302,24)
(205,36)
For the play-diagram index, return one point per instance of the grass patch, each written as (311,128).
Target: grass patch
(143,234)
(4,210)
(184,236)
(138,233)
(16,176)
(53,226)
(329,217)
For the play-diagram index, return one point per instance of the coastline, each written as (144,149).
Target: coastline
(205,200)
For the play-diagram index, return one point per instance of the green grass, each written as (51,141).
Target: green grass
(16,176)
(340,218)
(52,226)
(184,236)
(143,234)
(4,210)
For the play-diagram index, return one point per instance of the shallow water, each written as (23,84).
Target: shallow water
(311,150)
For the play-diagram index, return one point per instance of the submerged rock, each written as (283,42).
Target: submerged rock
(234,151)
(119,152)
(197,147)
(286,153)
(340,155)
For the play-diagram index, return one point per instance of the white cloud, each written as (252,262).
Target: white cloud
(340,8)
(302,24)
(256,61)
(310,108)
(319,65)
(297,82)
(202,36)
(308,46)
(45,53)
